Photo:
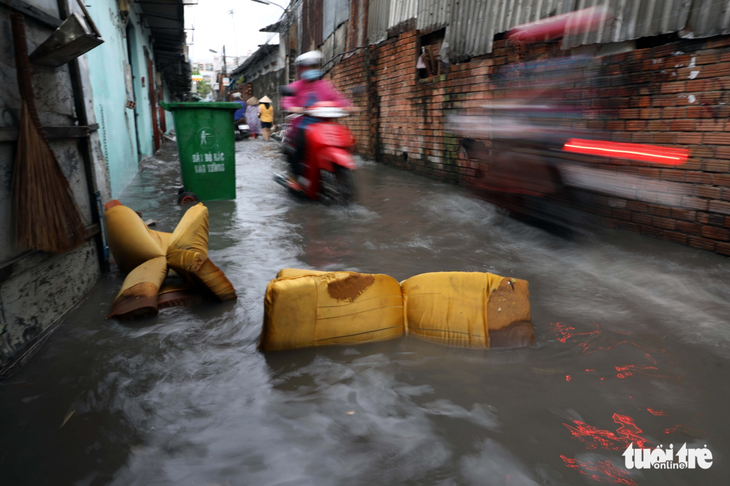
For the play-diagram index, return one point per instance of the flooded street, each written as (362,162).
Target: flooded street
(632,346)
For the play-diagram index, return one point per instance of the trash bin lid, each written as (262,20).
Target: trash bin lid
(201,105)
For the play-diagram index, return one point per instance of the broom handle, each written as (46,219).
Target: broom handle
(22,65)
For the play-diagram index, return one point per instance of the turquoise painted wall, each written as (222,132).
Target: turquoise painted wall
(137,43)
(122,147)
(170,120)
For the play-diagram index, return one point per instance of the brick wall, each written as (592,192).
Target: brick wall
(672,95)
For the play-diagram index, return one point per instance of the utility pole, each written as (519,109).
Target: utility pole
(225,74)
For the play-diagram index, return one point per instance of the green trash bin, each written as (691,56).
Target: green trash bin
(206,144)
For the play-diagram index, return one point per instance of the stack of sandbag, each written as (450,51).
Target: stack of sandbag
(305,308)
(147,256)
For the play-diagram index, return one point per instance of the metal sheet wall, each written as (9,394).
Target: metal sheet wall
(708,18)
(334,13)
(402,11)
(312,24)
(433,15)
(378,16)
(633,19)
(474,23)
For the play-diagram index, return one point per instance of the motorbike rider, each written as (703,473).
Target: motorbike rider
(305,92)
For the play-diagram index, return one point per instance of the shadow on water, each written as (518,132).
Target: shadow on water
(632,345)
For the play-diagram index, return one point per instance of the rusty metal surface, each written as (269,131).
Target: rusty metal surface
(357,26)
(312,22)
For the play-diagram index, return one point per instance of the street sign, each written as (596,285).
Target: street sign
(226,81)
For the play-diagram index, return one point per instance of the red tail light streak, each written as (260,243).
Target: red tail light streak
(632,151)
(595,438)
(600,472)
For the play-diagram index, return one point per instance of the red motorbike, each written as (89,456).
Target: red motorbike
(328,165)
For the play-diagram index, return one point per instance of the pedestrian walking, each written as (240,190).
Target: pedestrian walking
(266,114)
(252,116)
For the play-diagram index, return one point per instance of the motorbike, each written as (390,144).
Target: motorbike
(328,164)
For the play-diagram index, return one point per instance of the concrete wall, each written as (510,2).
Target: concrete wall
(124,143)
(268,85)
(36,288)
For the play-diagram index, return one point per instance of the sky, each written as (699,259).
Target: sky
(215,27)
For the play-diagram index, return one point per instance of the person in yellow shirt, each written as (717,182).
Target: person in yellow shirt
(266,114)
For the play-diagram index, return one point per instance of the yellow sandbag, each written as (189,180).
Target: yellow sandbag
(187,254)
(176,291)
(161,238)
(331,308)
(130,241)
(191,232)
(468,309)
(297,272)
(138,296)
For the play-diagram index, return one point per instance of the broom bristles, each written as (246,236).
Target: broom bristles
(47,217)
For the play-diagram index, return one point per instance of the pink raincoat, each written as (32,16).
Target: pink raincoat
(308,92)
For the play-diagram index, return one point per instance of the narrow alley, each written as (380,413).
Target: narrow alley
(632,346)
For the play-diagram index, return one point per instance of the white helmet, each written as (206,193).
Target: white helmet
(311,58)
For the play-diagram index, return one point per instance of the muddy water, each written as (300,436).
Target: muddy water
(632,345)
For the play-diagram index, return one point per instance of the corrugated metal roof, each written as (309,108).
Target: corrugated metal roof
(433,15)
(378,17)
(474,23)
(708,18)
(402,11)
(633,19)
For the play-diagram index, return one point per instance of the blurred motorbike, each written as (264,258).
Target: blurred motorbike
(538,156)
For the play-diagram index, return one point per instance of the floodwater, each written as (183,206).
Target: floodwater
(632,346)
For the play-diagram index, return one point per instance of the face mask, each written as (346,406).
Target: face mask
(312,74)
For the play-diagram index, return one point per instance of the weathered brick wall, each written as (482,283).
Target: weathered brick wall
(351,77)
(672,95)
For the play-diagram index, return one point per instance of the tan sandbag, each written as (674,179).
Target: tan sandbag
(191,233)
(176,291)
(331,308)
(468,309)
(161,238)
(130,241)
(187,254)
(297,272)
(138,296)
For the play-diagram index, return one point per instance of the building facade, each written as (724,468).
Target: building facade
(97,139)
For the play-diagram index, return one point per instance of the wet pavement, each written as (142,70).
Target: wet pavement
(632,346)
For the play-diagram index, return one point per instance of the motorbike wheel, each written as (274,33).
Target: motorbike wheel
(187,198)
(337,187)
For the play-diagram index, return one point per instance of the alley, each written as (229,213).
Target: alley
(632,345)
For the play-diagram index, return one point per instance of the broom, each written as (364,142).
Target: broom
(46,215)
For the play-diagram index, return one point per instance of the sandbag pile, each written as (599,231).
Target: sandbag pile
(306,308)
(147,256)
